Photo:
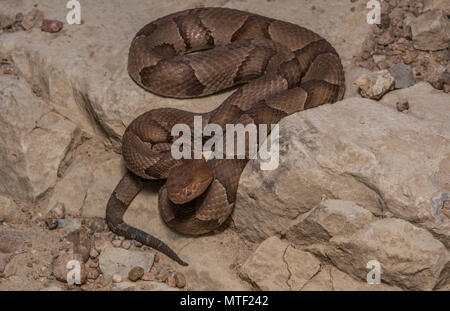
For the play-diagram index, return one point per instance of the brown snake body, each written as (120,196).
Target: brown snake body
(285,68)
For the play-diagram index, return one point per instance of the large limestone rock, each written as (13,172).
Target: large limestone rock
(359,150)
(35,141)
(409,256)
(275,265)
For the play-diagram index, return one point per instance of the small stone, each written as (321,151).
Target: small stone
(93,253)
(374,85)
(402,105)
(57,212)
(163,274)
(19,18)
(117,278)
(181,281)
(171,281)
(149,276)
(52,224)
(116,243)
(126,244)
(60,270)
(135,274)
(51,26)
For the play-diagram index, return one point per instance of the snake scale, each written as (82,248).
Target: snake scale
(283,68)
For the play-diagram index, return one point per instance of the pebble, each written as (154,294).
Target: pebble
(163,274)
(117,278)
(149,276)
(126,244)
(116,243)
(135,274)
(51,26)
(93,253)
(57,212)
(180,279)
(402,106)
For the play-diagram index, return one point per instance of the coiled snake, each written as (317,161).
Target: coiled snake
(284,68)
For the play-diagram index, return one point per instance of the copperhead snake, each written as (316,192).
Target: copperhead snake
(284,68)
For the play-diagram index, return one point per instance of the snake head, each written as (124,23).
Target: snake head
(188,180)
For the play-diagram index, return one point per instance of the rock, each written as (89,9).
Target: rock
(55,214)
(4,260)
(302,266)
(355,150)
(51,26)
(431,31)
(266,267)
(275,265)
(117,278)
(116,243)
(330,218)
(403,75)
(163,274)
(375,84)
(35,141)
(135,274)
(148,276)
(402,106)
(418,96)
(180,280)
(329,278)
(120,261)
(409,256)
(93,253)
(126,244)
(60,270)
(9,211)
